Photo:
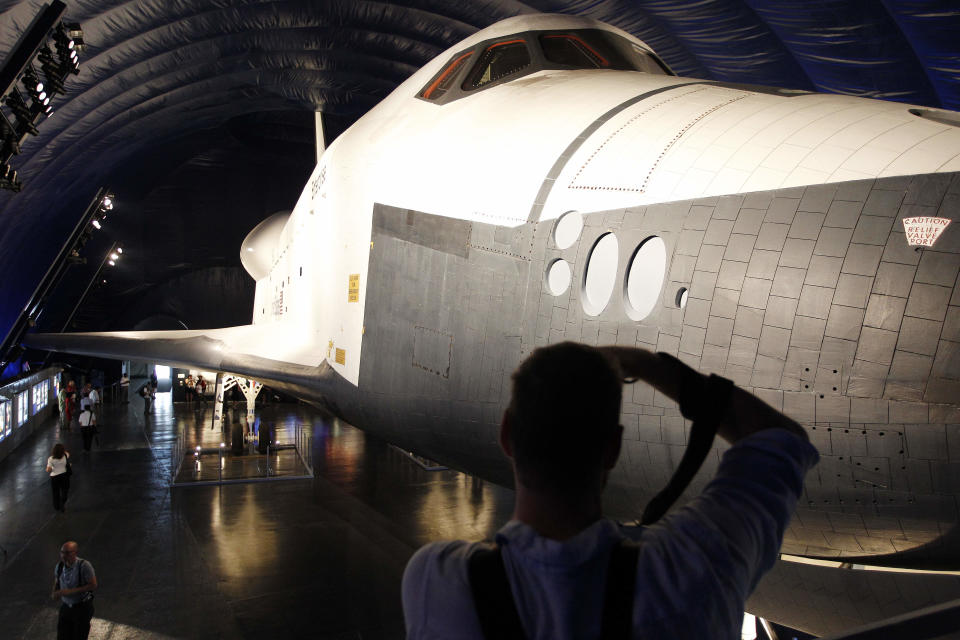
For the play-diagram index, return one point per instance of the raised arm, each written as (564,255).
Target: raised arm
(745,413)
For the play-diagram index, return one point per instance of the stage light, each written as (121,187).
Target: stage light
(119,249)
(114,256)
(111,262)
(107,203)
(96,224)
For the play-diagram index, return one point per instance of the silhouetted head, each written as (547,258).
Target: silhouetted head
(58,451)
(562,427)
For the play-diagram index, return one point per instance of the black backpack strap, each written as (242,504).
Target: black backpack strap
(492,596)
(619,595)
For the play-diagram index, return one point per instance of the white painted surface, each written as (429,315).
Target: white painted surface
(645,278)
(558,277)
(600,274)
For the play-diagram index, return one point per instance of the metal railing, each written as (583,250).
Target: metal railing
(289,460)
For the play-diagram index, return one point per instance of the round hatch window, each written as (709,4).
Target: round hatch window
(568,229)
(645,277)
(600,275)
(558,277)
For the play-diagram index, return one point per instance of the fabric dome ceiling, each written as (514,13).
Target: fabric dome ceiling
(199,114)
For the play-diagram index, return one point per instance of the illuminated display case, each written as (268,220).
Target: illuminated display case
(40,397)
(23,404)
(5,421)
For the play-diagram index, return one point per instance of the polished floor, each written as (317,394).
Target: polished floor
(311,558)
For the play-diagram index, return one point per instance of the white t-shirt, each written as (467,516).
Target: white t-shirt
(86,418)
(58,465)
(695,569)
(94,397)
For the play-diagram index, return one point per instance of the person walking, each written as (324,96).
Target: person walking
(88,426)
(74,582)
(58,466)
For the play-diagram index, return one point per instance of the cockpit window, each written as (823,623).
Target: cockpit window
(596,49)
(446,78)
(498,61)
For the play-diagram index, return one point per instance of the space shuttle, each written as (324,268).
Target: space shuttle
(548,179)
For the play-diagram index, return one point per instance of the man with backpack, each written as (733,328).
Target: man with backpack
(559,569)
(74,583)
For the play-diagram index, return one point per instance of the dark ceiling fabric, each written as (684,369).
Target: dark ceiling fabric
(226,89)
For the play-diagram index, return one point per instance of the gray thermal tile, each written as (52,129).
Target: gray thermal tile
(806,225)
(938,268)
(947,415)
(740,247)
(749,322)
(767,372)
(772,236)
(763,264)
(942,390)
(755,292)
(703,284)
(894,279)
(788,282)
(817,198)
(739,374)
(853,290)
(815,301)
(926,441)
(728,207)
(884,312)
(725,303)
(698,217)
(718,232)
(883,203)
(689,242)
(773,397)
(919,336)
(837,352)
(774,342)
(946,364)
(797,253)
(855,190)
(897,249)
(927,189)
(696,312)
(782,210)
(691,341)
(901,412)
(710,258)
(714,358)
(951,325)
(866,379)
(807,332)
(824,271)
(757,200)
(731,274)
(719,331)
(743,352)
(749,221)
(908,374)
(668,344)
(843,214)
(877,345)
(681,269)
(833,242)
(844,322)
(862,259)
(928,301)
(831,408)
(800,405)
(869,410)
(872,230)
(780,312)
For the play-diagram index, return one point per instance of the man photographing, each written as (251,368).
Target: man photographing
(561,570)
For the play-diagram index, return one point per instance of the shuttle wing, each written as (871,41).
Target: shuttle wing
(244,350)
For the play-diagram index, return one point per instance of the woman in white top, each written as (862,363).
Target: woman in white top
(59,478)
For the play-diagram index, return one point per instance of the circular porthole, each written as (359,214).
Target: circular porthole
(645,277)
(568,229)
(600,274)
(681,298)
(558,277)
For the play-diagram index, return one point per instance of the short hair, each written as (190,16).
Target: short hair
(565,399)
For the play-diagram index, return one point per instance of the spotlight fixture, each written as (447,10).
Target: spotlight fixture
(107,203)
(114,256)
(96,224)
(76,34)
(111,262)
